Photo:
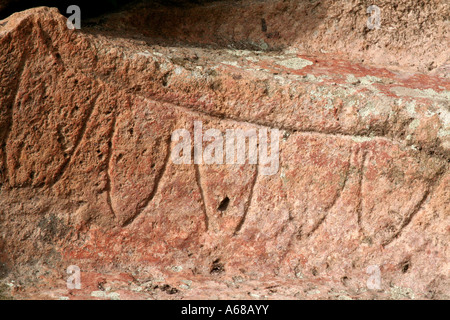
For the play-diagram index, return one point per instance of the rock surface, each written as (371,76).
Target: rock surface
(87,178)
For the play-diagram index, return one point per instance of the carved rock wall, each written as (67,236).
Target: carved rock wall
(87,178)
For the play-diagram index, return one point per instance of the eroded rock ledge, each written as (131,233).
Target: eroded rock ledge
(86,178)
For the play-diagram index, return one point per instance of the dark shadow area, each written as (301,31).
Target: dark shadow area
(262,25)
(89,8)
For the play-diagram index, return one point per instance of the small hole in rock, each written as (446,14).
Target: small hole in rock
(224,204)
(217,267)
(263,25)
(168,289)
(405,265)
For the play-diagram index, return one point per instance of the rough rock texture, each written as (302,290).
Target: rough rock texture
(86,176)
(414,34)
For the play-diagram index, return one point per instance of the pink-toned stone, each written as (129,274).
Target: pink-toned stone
(86,177)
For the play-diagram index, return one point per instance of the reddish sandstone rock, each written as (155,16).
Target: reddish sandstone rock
(87,178)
